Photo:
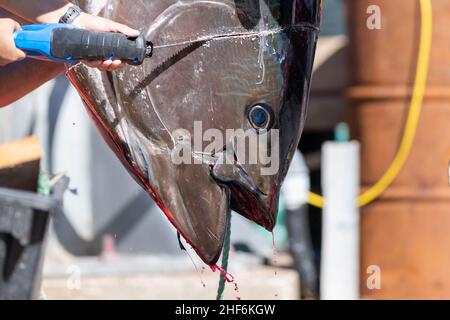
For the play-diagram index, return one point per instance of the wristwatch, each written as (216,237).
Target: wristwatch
(72,13)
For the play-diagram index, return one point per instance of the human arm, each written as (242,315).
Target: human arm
(19,78)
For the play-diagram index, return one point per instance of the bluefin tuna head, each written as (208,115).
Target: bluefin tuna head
(212,121)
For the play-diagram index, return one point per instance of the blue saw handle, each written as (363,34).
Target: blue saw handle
(36,40)
(68,44)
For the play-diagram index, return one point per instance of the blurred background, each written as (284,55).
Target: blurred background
(111,241)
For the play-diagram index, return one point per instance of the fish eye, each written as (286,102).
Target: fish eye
(261,116)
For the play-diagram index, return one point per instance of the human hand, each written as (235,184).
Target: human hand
(8,51)
(94,23)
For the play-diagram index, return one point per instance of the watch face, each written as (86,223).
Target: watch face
(211,122)
(71,15)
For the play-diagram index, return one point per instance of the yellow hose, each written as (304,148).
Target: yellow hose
(413,116)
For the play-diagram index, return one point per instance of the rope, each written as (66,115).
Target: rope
(44,184)
(225,257)
(413,116)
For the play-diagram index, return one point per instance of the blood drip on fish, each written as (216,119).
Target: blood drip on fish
(228,277)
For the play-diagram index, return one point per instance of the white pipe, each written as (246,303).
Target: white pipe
(294,191)
(340,232)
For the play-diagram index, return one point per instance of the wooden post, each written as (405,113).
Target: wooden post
(405,234)
(20,164)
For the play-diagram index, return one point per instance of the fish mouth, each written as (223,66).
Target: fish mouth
(246,196)
(202,217)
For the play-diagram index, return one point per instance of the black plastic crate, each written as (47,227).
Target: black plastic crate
(24,219)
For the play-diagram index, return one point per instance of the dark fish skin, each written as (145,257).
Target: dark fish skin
(214,61)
